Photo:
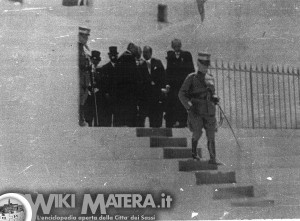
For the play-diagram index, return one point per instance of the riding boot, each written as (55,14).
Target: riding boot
(212,152)
(194,150)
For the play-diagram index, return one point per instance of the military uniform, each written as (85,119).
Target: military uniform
(197,94)
(84,74)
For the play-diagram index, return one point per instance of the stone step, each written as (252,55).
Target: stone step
(276,162)
(154,132)
(288,143)
(38,179)
(174,153)
(272,151)
(99,168)
(253,202)
(168,142)
(214,177)
(103,154)
(269,175)
(248,174)
(233,192)
(283,188)
(273,212)
(107,137)
(191,165)
(234,213)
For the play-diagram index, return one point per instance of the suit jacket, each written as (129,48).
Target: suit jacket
(105,79)
(126,77)
(152,82)
(178,68)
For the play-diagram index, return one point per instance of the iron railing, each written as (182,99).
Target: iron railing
(257,96)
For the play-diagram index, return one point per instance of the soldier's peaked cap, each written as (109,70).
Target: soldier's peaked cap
(113,50)
(203,56)
(84,30)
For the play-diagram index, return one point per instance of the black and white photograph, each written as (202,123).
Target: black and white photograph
(150,109)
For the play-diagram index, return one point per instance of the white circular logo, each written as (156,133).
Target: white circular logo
(15,206)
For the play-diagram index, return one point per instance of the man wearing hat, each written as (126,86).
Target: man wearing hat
(84,70)
(106,85)
(179,65)
(197,94)
(91,105)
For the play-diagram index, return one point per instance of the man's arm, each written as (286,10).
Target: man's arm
(183,94)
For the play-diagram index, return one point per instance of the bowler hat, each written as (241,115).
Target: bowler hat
(113,50)
(95,55)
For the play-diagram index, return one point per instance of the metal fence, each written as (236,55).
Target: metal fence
(254,96)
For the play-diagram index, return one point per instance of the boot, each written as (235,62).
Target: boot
(212,152)
(194,150)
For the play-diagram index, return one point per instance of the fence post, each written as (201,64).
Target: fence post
(251,96)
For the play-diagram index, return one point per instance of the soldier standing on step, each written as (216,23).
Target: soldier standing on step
(197,94)
(84,64)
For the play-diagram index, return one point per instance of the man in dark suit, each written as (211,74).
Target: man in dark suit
(179,66)
(152,85)
(142,73)
(125,86)
(105,83)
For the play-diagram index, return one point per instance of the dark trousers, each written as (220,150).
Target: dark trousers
(125,112)
(105,111)
(90,111)
(151,109)
(175,111)
(81,115)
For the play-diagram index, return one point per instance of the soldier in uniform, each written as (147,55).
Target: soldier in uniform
(126,88)
(197,94)
(106,86)
(179,65)
(84,70)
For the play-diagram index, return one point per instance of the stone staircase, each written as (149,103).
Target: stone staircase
(224,186)
(260,181)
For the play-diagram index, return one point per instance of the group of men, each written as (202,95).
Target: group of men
(130,88)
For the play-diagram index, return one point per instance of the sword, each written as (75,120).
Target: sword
(229,126)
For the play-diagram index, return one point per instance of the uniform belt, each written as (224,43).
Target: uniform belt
(201,98)
(198,98)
